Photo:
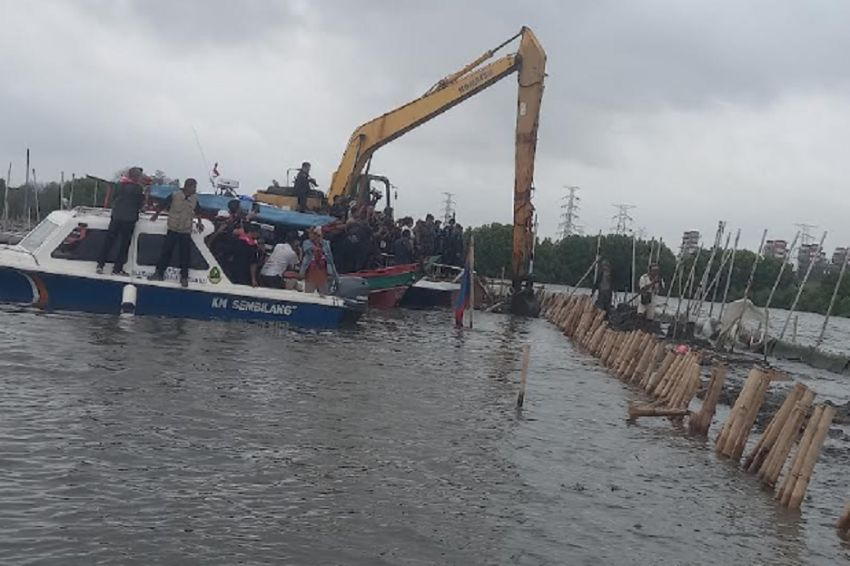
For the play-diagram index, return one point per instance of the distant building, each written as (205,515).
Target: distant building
(839,256)
(690,242)
(810,253)
(777,249)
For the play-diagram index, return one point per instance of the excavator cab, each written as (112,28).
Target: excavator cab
(369,195)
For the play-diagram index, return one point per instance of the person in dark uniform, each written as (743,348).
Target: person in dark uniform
(303,183)
(603,286)
(403,249)
(127,200)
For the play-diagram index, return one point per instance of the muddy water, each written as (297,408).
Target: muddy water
(161,441)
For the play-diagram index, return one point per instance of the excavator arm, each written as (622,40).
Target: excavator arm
(529,62)
(376,133)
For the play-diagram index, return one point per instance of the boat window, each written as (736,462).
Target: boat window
(150,246)
(83,244)
(40,233)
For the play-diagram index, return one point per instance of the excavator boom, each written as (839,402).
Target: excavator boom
(530,64)
(376,133)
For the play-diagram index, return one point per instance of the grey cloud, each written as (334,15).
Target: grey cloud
(635,107)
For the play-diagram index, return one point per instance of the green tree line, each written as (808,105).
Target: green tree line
(565,261)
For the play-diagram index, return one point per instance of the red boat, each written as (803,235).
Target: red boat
(387,285)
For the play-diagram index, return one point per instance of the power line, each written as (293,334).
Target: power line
(623,220)
(448,207)
(569,217)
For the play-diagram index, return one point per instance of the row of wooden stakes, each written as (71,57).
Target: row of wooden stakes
(671,377)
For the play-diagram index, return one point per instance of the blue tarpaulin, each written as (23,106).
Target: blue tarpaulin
(267,215)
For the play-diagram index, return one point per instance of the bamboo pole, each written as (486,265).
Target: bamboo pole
(771,468)
(523,380)
(729,276)
(637,354)
(652,381)
(471,266)
(612,348)
(703,282)
(634,265)
(688,388)
(701,422)
(736,430)
(793,308)
(676,273)
(27,192)
(644,359)
(783,493)
(6,198)
(689,284)
(35,197)
(774,287)
(658,355)
(626,352)
(673,370)
(768,439)
(715,283)
(593,267)
(672,378)
(748,418)
(820,422)
(749,286)
(819,341)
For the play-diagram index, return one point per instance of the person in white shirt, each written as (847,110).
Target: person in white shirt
(283,258)
(650,284)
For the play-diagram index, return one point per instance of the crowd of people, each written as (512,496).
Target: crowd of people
(359,238)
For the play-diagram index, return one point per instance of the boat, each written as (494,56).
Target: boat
(388,285)
(437,289)
(53,267)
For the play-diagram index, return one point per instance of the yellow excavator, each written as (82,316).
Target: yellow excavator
(351,178)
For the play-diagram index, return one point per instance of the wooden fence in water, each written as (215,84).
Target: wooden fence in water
(671,377)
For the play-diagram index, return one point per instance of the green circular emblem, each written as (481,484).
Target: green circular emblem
(215,275)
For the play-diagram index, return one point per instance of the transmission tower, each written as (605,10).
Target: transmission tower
(806,237)
(448,207)
(623,220)
(569,217)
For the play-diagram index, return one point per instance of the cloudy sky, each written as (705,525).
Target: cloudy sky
(692,111)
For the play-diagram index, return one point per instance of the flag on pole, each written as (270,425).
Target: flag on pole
(463,301)
(215,170)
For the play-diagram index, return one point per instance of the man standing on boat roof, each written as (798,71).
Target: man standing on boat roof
(183,208)
(128,199)
(302,185)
